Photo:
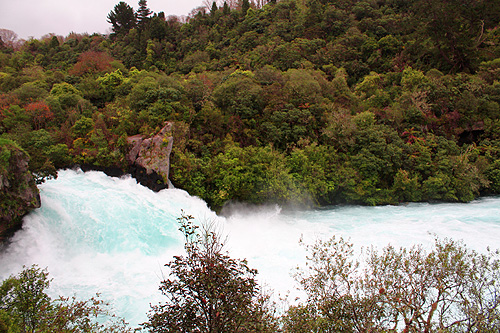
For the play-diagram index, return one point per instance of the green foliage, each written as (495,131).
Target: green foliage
(287,126)
(397,89)
(31,91)
(64,89)
(239,95)
(5,153)
(26,307)
(189,173)
(122,18)
(82,127)
(449,288)
(143,14)
(25,299)
(406,188)
(59,155)
(65,96)
(413,79)
(251,174)
(453,31)
(302,87)
(314,169)
(207,291)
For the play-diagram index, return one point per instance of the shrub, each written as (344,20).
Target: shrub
(26,307)
(207,290)
(448,289)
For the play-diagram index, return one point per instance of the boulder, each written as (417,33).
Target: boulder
(149,158)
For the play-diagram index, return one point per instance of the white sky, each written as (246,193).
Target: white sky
(35,18)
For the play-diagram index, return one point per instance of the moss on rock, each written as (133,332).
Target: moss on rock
(18,191)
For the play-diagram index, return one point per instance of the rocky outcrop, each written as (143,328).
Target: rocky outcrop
(471,134)
(149,158)
(18,191)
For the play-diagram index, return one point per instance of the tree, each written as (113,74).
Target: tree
(8,37)
(226,10)
(26,307)
(158,27)
(54,42)
(122,18)
(92,62)
(211,5)
(40,114)
(207,290)
(25,298)
(143,14)
(448,289)
(214,8)
(245,6)
(240,95)
(456,29)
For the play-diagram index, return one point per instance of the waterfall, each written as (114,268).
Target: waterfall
(98,234)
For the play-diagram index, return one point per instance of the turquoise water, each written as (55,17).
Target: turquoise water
(98,234)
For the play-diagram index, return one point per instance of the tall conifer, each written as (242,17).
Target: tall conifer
(245,6)
(143,13)
(226,10)
(122,18)
(214,8)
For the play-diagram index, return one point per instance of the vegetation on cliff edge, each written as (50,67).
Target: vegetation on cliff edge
(294,101)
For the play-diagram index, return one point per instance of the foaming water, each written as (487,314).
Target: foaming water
(98,234)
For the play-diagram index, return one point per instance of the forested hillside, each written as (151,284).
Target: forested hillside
(304,102)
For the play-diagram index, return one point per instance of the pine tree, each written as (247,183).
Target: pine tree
(122,18)
(214,8)
(226,10)
(245,6)
(54,42)
(143,13)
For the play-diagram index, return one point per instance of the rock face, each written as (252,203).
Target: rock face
(18,191)
(149,158)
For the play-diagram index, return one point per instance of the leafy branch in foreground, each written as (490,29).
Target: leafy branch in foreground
(208,291)
(448,289)
(25,307)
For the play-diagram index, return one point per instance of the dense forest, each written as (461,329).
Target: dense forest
(295,102)
(300,102)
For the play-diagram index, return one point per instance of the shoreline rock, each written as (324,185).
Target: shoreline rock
(18,192)
(149,158)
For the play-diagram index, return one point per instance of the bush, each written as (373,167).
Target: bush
(25,307)
(207,290)
(448,289)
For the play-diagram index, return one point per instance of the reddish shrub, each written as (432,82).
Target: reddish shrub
(92,62)
(40,114)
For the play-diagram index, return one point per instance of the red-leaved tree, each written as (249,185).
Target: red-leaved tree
(40,114)
(92,62)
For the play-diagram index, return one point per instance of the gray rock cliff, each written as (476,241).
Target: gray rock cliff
(152,156)
(18,192)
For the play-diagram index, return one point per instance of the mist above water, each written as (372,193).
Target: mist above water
(98,234)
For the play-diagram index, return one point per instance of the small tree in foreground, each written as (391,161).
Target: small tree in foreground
(25,307)
(208,291)
(449,289)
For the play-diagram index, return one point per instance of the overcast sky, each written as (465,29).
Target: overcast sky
(35,18)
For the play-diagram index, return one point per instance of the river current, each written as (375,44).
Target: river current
(98,234)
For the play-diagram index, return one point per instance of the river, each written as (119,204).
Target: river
(98,234)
